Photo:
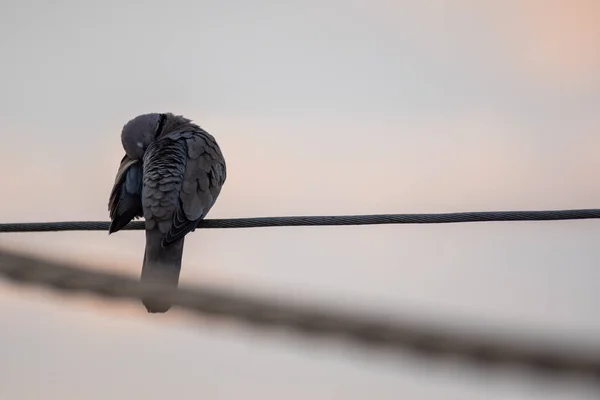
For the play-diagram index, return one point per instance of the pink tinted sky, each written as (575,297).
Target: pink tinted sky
(325,108)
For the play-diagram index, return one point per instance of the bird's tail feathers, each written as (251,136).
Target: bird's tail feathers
(161,265)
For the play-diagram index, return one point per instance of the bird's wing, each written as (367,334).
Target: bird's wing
(124,203)
(183,175)
(203,177)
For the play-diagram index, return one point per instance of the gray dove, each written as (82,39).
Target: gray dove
(171,174)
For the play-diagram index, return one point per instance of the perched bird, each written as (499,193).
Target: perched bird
(171,174)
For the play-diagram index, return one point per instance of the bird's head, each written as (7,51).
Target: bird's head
(138,133)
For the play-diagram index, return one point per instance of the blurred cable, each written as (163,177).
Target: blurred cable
(314,322)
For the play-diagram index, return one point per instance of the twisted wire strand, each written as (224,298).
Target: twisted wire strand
(306,321)
(337,220)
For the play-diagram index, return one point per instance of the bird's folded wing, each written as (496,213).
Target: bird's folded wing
(125,202)
(204,175)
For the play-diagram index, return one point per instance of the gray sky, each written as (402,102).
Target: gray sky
(329,107)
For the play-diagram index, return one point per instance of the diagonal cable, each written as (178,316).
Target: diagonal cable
(306,321)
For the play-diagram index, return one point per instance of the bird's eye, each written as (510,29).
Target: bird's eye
(140,145)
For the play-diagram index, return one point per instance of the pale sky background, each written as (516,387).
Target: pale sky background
(320,107)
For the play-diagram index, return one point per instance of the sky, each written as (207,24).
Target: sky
(320,108)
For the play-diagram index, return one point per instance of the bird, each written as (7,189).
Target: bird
(171,175)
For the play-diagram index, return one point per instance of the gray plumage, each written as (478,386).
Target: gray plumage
(171,174)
